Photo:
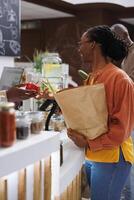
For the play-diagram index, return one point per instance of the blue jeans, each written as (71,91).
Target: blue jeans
(107,180)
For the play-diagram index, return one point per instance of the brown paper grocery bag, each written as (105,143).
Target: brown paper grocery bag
(84,109)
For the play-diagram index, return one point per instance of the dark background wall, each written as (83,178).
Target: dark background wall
(62,35)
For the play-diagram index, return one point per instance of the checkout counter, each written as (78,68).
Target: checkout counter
(30,169)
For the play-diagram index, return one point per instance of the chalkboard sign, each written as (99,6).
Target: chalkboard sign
(10,28)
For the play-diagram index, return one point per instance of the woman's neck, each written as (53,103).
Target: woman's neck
(99,64)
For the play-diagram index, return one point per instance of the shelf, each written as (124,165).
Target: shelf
(26,152)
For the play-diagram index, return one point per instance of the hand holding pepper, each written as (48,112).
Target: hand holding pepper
(32,86)
(45,93)
(16,94)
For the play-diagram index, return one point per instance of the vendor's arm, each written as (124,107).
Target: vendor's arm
(16,94)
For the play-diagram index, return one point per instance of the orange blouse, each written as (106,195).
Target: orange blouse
(120,103)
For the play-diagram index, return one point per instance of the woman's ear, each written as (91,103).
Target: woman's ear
(92,44)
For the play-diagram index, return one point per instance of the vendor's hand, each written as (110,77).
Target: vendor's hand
(45,95)
(79,139)
(16,94)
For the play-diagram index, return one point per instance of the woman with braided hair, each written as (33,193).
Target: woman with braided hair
(109,156)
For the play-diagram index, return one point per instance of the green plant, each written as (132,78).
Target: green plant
(38,60)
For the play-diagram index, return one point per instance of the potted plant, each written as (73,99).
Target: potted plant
(38,60)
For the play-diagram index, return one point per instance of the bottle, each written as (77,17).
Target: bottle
(7,124)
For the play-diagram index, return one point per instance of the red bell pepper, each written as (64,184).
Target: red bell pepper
(32,86)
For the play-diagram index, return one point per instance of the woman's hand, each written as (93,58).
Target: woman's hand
(79,139)
(45,95)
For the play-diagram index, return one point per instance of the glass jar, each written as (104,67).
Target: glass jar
(52,58)
(51,65)
(7,124)
(57,123)
(22,126)
(37,121)
(52,70)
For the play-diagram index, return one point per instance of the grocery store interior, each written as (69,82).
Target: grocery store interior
(38,49)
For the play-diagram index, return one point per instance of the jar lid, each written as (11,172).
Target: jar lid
(6,105)
(20,113)
(22,120)
(36,116)
(51,54)
(52,57)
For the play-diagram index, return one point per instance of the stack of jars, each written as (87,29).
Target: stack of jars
(19,127)
(29,122)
